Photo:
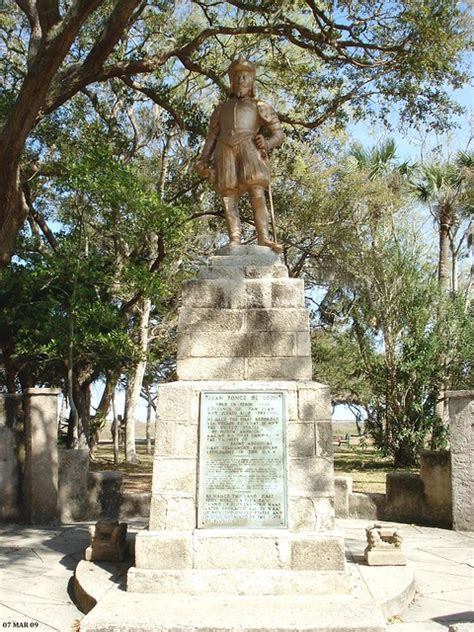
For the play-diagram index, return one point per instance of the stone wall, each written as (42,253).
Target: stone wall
(423,498)
(38,484)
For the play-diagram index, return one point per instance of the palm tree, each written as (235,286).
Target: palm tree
(380,160)
(446,188)
(448,192)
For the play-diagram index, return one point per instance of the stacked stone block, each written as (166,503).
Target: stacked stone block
(244,319)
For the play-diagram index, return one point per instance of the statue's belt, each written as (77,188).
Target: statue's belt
(234,137)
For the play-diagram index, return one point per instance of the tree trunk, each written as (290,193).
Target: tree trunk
(444,272)
(43,63)
(83,394)
(444,279)
(8,349)
(108,393)
(78,429)
(115,430)
(135,381)
(149,409)
(14,210)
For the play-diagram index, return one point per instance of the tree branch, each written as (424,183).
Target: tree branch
(36,218)
(48,13)
(330,110)
(75,77)
(113,31)
(195,67)
(159,100)
(153,268)
(29,9)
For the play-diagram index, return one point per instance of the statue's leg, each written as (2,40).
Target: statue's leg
(232,217)
(260,214)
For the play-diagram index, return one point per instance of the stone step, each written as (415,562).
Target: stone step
(129,612)
(241,549)
(243,270)
(237,368)
(235,293)
(232,255)
(208,320)
(244,345)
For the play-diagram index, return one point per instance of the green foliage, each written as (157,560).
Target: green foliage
(117,241)
(385,338)
(39,303)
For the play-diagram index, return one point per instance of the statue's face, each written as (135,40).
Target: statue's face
(242,82)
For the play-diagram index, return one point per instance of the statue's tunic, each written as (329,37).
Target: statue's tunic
(237,161)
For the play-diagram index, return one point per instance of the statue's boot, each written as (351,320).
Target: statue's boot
(232,219)
(260,214)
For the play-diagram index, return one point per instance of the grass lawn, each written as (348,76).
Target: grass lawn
(137,477)
(365,464)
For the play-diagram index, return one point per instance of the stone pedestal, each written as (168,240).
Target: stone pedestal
(243,335)
(461,437)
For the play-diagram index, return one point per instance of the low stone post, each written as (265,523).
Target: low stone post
(461,435)
(73,473)
(104,495)
(41,467)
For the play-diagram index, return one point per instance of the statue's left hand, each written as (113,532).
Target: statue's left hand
(201,166)
(262,144)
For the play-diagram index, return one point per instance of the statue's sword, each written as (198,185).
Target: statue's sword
(266,157)
(272,212)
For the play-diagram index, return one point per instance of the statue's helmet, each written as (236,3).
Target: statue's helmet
(241,64)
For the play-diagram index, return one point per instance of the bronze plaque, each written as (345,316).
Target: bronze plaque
(242,466)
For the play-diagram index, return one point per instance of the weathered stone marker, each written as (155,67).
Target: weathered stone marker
(243,479)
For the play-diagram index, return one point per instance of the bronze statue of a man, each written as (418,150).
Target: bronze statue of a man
(235,154)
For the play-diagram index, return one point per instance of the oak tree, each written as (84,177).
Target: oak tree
(355,56)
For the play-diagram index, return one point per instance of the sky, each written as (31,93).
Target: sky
(413,145)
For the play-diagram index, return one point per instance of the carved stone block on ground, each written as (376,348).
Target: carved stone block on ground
(108,541)
(384,546)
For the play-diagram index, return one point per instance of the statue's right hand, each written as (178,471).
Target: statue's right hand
(204,169)
(201,166)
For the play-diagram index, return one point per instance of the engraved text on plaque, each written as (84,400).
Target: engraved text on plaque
(242,480)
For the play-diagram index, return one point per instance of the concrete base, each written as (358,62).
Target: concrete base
(215,613)
(238,582)
(93,580)
(377,595)
(385,557)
